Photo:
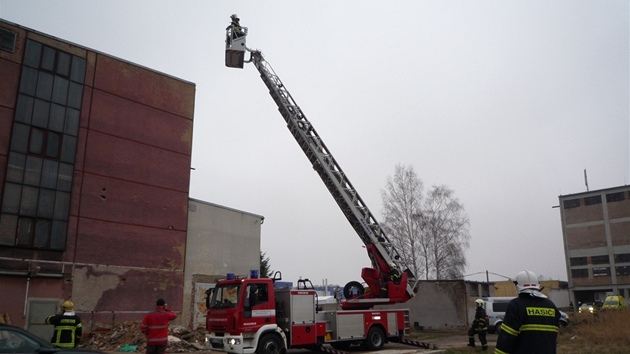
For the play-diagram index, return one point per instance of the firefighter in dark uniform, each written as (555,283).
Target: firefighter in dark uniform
(479,326)
(394,277)
(237,31)
(68,327)
(531,320)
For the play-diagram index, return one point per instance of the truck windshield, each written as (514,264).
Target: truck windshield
(225,296)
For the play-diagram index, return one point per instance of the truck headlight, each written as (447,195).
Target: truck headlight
(234,341)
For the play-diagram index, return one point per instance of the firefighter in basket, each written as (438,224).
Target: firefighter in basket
(237,31)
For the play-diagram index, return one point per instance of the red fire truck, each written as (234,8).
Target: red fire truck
(247,314)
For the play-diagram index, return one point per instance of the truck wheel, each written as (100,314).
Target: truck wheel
(353,289)
(269,344)
(375,339)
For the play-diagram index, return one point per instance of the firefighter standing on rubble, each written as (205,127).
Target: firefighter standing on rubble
(155,326)
(479,326)
(68,328)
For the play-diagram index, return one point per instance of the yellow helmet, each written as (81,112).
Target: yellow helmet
(67,305)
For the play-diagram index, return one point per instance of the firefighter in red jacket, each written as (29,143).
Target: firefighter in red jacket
(479,326)
(155,326)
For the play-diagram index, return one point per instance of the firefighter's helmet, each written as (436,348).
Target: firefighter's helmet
(234,17)
(67,305)
(479,303)
(525,280)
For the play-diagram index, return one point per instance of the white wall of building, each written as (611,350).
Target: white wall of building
(220,240)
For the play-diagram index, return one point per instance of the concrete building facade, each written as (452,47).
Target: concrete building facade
(445,304)
(556,290)
(596,233)
(220,240)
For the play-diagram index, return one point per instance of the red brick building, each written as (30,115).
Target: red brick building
(95,159)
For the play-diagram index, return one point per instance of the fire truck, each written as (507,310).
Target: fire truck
(248,314)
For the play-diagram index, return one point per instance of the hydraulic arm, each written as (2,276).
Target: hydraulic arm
(389,280)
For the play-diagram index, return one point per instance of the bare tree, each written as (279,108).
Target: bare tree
(446,229)
(431,233)
(402,201)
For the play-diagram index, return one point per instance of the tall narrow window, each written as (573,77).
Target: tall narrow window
(38,181)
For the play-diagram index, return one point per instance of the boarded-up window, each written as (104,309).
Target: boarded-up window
(601,271)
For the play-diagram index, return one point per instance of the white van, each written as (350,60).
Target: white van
(495,310)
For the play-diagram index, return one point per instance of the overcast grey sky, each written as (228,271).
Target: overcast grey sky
(505,102)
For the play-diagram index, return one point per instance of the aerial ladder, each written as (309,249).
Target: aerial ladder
(389,280)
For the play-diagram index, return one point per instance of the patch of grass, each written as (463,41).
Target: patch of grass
(600,333)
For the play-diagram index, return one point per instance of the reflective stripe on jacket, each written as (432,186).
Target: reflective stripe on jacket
(68,330)
(479,322)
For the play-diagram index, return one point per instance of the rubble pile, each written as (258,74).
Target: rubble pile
(127,337)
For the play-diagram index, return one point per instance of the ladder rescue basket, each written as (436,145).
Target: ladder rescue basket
(235,46)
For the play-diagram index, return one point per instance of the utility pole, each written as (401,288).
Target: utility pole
(585,180)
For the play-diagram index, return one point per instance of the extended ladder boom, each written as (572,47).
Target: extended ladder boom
(387,263)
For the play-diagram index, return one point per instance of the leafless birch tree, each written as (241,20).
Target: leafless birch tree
(430,233)
(446,229)
(402,201)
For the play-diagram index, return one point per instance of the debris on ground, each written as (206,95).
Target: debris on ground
(126,336)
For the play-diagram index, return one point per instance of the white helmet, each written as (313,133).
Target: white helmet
(479,303)
(526,279)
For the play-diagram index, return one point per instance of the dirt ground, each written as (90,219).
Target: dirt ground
(186,341)
(460,341)
(442,343)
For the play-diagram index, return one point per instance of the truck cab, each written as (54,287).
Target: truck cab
(240,310)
